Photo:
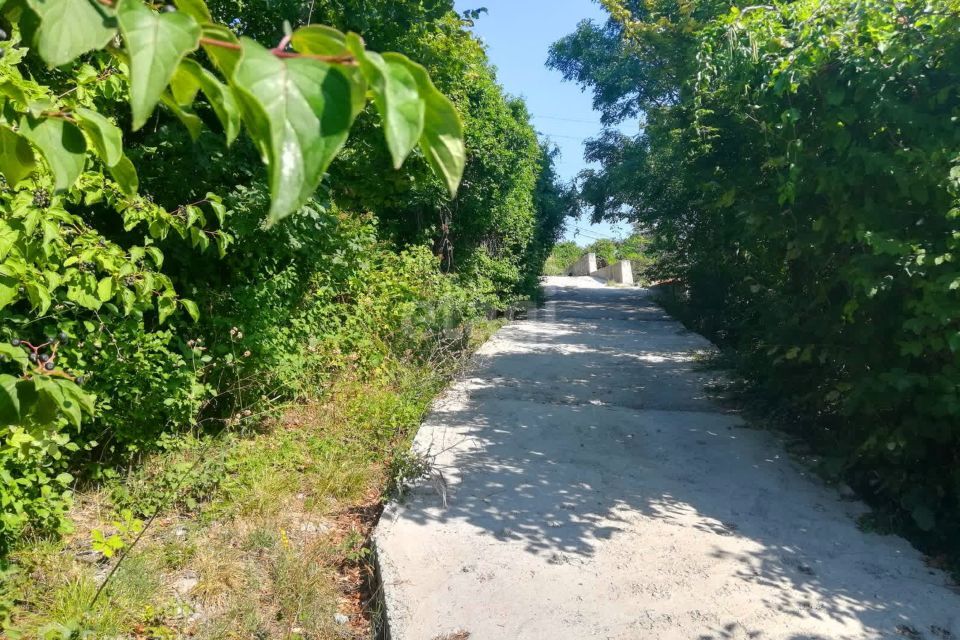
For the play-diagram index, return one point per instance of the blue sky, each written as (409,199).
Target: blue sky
(518,34)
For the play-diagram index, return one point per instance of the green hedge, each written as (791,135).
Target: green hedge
(802,175)
(188,314)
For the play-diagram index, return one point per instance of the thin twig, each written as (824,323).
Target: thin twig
(233,46)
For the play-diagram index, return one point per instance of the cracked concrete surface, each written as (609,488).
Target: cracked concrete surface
(593,490)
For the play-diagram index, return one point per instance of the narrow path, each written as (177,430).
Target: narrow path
(594,491)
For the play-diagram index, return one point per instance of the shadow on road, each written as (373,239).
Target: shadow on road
(546,449)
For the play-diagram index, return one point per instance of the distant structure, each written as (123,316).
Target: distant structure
(620,272)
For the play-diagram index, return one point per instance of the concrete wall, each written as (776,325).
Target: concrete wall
(584,266)
(621,272)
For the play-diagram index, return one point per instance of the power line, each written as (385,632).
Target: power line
(558,135)
(593,122)
(591,236)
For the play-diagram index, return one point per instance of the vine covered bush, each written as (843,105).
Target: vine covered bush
(172,252)
(800,169)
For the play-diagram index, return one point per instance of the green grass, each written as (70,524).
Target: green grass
(265,538)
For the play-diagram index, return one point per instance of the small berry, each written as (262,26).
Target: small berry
(44,357)
(49,366)
(80,380)
(169,8)
(41,198)
(15,342)
(33,358)
(3,35)
(63,337)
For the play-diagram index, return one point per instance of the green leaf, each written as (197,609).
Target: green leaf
(155,45)
(320,40)
(129,299)
(62,145)
(125,175)
(53,397)
(84,293)
(16,157)
(188,118)
(9,400)
(442,139)
(73,391)
(39,297)
(106,136)
(191,307)
(165,306)
(105,289)
(396,95)
(183,85)
(69,28)
(298,112)
(17,354)
(224,58)
(156,255)
(9,236)
(218,210)
(196,9)
(9,289)
(220,98)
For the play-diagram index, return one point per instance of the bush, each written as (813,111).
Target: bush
(164,254)
(802,177)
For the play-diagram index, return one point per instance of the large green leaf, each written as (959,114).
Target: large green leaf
(299,112)
(196,9)
(320,40)
(187,117)
(155,45)
(83,291)
(9,236)
(9,289)
(396,95)
(219,96)
(125,175)
(106,136)
(225,58)
(16,157)
(62,145)
(317,39)
(64,396)
(183,85)
(69,28)
(442,138)
(14,354)
(9,400)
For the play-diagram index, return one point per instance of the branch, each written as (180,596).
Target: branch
(345,59)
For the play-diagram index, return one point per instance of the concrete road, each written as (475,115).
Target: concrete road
(591,489)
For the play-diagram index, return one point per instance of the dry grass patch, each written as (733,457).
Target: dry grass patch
(274,546)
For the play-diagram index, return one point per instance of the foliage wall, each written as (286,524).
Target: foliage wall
(800,167)
(134,245)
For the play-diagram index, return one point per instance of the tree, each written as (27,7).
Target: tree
(71,205)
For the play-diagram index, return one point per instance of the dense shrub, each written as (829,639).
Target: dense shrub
(562,256)
(802,178)
(178,308)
